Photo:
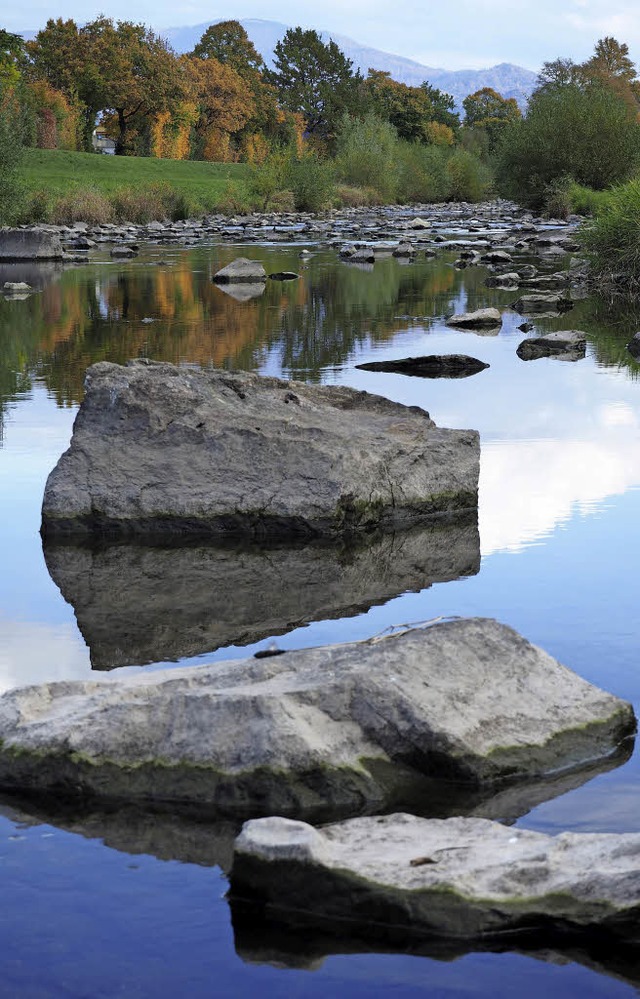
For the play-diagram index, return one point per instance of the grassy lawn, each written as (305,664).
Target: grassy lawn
(60,174)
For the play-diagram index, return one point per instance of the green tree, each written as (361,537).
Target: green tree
(12,54)
(488,110)
(411,110)
(229,43)
(314,79)
(584,132)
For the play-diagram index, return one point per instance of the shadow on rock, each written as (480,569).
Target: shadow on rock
(137,604)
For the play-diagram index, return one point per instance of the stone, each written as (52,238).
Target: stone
(480,319)
(159,451)
(496,257)
(564,344)
(124,251)
(542,302)
(430,366)
(404,250)
(239,271)
(509,281)
(418,223)
(364,255)
(16,287)
(634,346)
(30,244)
(465,878)
(284,276)
(335,729)
(182,606)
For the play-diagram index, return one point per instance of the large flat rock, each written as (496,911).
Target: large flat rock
(136,604)
(459,877)
(160,450)
(342,728)
(30,244)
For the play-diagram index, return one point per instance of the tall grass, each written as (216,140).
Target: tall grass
(612,238)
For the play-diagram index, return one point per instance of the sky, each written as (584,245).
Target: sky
(468,35)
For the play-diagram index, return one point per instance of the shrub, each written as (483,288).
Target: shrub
(268,177)
(422,175)
(557,201)
(366,154)
(356,197)
(585,201)
(82,205)
(612,238)
(587,133)
(469,179)
(311,180)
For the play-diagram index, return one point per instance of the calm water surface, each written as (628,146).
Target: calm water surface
(126,904)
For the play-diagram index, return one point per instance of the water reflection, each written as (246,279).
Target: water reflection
(139,605)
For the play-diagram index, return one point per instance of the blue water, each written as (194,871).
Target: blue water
(559,509)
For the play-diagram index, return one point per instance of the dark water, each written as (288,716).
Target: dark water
(99,904)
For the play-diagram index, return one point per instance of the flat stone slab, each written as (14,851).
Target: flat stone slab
(182,606)
(337,729)
(430,366)
(241,270)
(30,244)
(160,451)
(567,345)
(480,319)
(460,877)
(542,302)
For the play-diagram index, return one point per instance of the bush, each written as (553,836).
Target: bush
(82,205)
(557,201)
(268,177)
(586,133)
(356,197)
(585,201)
(311,180)
(366,154)
(469,179)
(612,238)
(11,143)
(422,173)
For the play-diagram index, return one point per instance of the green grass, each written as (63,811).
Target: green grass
(612,238)
(62,186)
(60,171)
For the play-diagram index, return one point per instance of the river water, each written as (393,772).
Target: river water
(122,903)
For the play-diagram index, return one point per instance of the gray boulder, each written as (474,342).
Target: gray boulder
(508,281)
(182,605)
(29,244)
(496,257)
(404,250)
(125,252)
(567,345)
(542,302)
(239,271)
(459,877)
(159,450)
(479,320)
(318,731)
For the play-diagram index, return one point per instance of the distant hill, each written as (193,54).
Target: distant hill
(507,79)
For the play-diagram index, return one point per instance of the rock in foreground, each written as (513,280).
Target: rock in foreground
(332,730)
(430,366)
(241,270)
(458,877)
(160,451)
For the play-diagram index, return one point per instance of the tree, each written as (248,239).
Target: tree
(558,73)
(12,52)
(411,110)
(587,133)
(314,79)
(223,99)
(487,109)
(229,44)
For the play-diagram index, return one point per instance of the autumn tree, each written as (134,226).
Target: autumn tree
(229,44)
(314,79)
(413,111)
(488,110)
(224,104)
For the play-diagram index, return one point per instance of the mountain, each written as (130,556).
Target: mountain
(507,79)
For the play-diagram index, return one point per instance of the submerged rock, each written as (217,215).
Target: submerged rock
(137,604)
(239,271)
(339,728)
(480,319)
(567,345)
(459,877)
(430,366)
(30,244)
(160,451)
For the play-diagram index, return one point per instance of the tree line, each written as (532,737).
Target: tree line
(219,102)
